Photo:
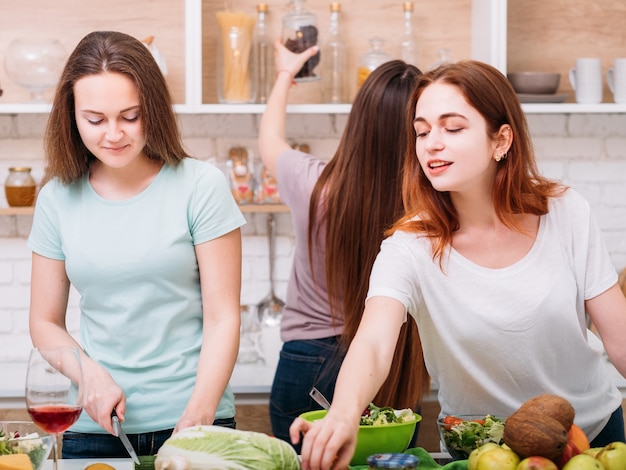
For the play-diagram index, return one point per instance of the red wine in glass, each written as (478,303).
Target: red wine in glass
(54,390)
(54,419)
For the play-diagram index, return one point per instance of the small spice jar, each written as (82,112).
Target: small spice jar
(392,460)
(20,187)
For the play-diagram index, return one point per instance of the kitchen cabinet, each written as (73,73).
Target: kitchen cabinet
(519,35)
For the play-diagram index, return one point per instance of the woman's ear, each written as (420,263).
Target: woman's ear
(504,139)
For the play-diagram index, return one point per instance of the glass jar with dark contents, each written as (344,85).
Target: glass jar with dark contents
(20,187)
(299,33)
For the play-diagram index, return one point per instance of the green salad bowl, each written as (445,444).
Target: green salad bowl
(461,440)
(377,439)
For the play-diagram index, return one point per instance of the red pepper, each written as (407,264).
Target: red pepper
(450,421)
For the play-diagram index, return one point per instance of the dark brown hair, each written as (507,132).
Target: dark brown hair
(357,197)
(518,187)
(67,158)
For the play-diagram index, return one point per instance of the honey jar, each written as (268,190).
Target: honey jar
(20,187)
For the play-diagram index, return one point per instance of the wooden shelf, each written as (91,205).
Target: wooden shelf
(247,208)
(16,210)
(264,208)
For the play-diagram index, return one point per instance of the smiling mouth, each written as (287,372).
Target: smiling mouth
(116,149)
(438,164)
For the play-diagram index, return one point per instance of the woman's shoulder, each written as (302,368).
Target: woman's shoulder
(569,202)
(299,163)
(195,168)
(55,188)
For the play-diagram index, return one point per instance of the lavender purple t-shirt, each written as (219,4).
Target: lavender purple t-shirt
(306,314)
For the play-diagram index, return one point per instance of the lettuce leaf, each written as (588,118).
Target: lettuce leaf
(216,447)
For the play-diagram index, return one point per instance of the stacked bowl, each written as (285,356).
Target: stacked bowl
(537,87)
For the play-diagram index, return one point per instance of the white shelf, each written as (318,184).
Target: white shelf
(489,39)
(573,108)
(529,108)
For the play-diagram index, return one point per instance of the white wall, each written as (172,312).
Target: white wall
(586,151)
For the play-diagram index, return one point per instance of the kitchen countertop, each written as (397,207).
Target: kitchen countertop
(80,464)
(251,383)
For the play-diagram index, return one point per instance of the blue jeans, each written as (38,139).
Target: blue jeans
(77,445)
(302,365)
(613,431)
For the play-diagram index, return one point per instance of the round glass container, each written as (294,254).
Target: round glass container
(20,187)
(371,60)
(35,63)
(299,33)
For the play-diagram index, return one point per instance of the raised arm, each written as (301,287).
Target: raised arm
(272,140)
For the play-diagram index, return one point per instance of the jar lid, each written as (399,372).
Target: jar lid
(20,168)
(392,460)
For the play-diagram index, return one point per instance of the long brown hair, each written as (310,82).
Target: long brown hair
(518,187)
(67,158)
(356,198)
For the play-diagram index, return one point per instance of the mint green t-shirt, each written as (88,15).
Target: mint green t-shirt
(134,265)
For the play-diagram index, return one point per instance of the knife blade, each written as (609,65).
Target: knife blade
(117,427)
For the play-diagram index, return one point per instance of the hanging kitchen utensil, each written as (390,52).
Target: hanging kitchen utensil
(270,309)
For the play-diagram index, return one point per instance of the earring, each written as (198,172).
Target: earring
(501,156)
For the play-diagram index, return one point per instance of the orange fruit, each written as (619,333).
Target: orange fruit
(578,437)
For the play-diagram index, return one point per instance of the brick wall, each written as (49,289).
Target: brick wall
(586,151)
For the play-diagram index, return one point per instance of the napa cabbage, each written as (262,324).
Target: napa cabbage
(216,447)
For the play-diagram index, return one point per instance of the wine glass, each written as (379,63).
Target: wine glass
(53,390)
(35,63)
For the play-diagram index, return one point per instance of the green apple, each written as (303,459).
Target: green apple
(497,459)
(583,462)
(593,451)
(537,462)
(473,456)
(613,456)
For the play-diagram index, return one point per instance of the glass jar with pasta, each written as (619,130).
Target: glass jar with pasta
(371,60)
(235,77)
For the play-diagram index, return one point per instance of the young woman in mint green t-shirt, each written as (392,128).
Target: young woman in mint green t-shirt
(150,239)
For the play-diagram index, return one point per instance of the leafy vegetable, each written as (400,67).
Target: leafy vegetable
(374,416)
(216,447)
(36,449)
(146,462)
(465,436)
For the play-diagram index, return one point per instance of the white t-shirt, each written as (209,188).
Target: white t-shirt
(134,266)
(494,338)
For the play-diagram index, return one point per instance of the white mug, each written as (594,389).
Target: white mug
(616,79)
(586,79)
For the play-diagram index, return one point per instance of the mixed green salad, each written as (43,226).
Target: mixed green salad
(461,437)
(14,443)
(374,416)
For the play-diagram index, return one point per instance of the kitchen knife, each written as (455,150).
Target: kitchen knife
(117,427)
